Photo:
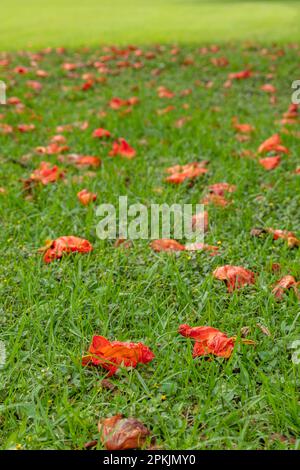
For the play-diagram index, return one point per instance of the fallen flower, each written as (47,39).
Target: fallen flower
(221,188)
(85,197)
(240,75)
(100,133)
(122,148)
(242,128)
(180,173)
(210,341)
(234,276)
(55,249)
(119,433)
(286,282)
(111,355)
(269,163)
(46,174)
(166,244)
(272,144)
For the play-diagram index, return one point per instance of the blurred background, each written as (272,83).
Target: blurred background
(36,23)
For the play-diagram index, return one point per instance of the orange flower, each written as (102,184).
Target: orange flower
(234,276)
(85,197)
(118,433)
(52,149)
(272,144)
(200,221)
(112,354)
(69,244)
(286,282)
(242,128)
(270,163)
(100,133)
(221,188)
(46,174)
(180,173)
(240,75)
(122,148)
(215,199)
(208,341)
(166,244)
(84,160)
(163,92)
(268,88)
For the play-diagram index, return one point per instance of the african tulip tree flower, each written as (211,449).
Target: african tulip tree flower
(46,174)
(286,282)
(85,197)
(122,148)
(269,163)
(55,249)
(234,276)
(100,133)
(180,173)
(272,144)
(209,340)
(119,433)
(111,355)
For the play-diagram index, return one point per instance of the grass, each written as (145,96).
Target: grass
(50,312)
(73,23)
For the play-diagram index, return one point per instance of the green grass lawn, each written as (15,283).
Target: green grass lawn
(50,312)
(33,23)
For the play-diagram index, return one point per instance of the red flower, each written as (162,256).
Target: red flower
(100,133)
(163,92)
(242,128)
(286,282)
(52,149)
(221,188)
(272,144)
(118,433)
(270,163)
(85,197)
(240,75)
(268,88)
(180,173)
(208,341)
(26,127)
(112,354)
(166,244)
(46,174)
(122,148)
(215,199)
(87,160)
(234,276)
(69,244)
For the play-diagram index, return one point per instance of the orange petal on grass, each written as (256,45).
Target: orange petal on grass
(221,188)
(85,197)
(46,174)
(272,144)
(55,249)
(200,221)
(122,148)
(166,244)
(286,282)
(242,128)
(268,88)
(240,75)
(118,433)
(215,199)
(209,340)
(269,163)
(180,173)
(111,355)
(234,276)
(101,133)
